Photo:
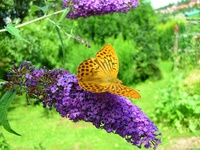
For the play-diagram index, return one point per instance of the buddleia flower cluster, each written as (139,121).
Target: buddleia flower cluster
(87,8)
(60,89)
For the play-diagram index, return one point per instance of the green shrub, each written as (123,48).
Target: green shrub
(166,36)
(44,49)
(192,82)
(188,43)
(189,46)
(177,108)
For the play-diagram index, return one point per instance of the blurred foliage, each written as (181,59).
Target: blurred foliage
(192,82)
(188,42)
(166,36)
(177,108)
(137,27)
(189,47)
(3,144)
(15,11)
(37,52)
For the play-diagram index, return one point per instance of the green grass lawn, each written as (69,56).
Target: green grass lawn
(41,129)
(50,131)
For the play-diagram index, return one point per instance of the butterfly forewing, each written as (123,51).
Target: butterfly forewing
(87,69)
(108,61)
(90,76)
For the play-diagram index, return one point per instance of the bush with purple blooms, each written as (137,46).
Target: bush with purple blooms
(60,89)
(83,8)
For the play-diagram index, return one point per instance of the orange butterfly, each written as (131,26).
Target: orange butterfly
(99,74)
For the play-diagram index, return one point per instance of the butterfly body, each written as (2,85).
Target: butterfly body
(99,74)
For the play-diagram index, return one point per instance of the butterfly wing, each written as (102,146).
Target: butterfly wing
(123,90)
(91,76)
(99,74)
(95,74)
(107,59)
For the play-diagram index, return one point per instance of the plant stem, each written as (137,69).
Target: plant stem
(58,27)
(35,20)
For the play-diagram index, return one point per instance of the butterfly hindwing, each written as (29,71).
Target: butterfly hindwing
(92,87)
(123,90)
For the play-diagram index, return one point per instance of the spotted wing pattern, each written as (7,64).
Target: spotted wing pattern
(99,74)
(108,60)
(123,90)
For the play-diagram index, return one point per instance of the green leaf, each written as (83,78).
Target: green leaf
(36,8)
(193,126)
(69,37)
(61,40)
(33,9)
(44,9)
(14,31)
(2,80)
(64,14)
(5,102)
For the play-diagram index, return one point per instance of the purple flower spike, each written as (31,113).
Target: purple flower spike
(113,113)
(106,111)
(87,8)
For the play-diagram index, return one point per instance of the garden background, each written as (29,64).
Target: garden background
(159,55)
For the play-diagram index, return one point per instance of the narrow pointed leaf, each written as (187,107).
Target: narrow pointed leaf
(44,9)
(33,9)
(69,37)
(63,14)
(61,40)
(5,102)
(14,31)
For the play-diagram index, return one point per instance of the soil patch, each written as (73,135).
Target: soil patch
(192,143)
